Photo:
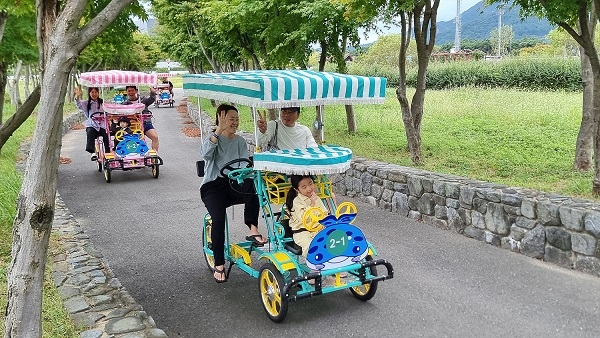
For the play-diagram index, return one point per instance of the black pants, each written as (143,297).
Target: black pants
(92,135)
(217,196)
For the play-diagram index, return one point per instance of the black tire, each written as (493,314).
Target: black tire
(270,284)
(99,166)
(107,174)
(206,242)
(366,291)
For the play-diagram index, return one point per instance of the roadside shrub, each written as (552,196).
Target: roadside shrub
(519,73)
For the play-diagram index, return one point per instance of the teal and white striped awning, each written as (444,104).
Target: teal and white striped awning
(285,88)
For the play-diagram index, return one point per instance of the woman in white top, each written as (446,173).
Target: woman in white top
(290,134)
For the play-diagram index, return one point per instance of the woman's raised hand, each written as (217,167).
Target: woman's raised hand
(77,93)
(261,123)
(221,122)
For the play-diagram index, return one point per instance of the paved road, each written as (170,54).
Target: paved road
(445,285)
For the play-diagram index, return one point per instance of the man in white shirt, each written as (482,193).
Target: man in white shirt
(290,134)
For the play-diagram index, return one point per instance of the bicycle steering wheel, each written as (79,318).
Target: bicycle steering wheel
(228,168)
(311,218)
(96,113)
(346,208)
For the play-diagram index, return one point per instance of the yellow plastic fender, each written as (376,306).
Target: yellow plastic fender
(282,260)
(237,252)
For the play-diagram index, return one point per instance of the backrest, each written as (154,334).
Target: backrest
(277,186)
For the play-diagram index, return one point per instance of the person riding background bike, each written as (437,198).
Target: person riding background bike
(93,128)
(149,130)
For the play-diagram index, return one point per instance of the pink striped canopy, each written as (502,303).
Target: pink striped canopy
(111,78)
(161,75)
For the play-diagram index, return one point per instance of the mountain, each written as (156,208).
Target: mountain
(478,21)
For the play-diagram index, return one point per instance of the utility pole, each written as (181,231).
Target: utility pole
(500,12)
(457,33)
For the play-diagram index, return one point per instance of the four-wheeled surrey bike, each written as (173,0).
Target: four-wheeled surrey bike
(339,257)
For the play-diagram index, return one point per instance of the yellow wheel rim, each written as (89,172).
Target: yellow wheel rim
(311,218)
(346,208)
(362,289)
(269,291)
(209,258)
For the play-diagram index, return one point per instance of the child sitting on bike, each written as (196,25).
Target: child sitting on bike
(302,196)
(123,125)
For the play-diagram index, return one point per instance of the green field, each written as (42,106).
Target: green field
(518,138)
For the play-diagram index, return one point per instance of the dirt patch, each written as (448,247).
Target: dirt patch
(191,131)
(64,160)
(77,126)
(187,122)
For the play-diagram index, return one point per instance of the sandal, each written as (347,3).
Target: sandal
(255,241)
(222,272)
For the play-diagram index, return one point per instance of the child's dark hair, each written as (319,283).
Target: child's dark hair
(89,105)
(224,107)
(293,192)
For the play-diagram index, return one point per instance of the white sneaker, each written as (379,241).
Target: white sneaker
(94,157)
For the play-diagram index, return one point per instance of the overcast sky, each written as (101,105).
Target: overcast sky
(446,12)
(447,9)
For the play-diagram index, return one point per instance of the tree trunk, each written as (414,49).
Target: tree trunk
(27,76)
(59,40)
(15,94)
(319,109)
(3,79)
(317,133)
(350,119)
(584,147)
(323,57)
(596,118)
(32,226)
(3,18)
(256,61)
(424,16)
(20,116)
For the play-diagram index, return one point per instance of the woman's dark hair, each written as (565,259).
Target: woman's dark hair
(292,193)
(89,105)
(223,107)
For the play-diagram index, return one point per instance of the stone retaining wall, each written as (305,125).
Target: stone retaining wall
(558,229)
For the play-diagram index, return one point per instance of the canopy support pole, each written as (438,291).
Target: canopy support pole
(200,118)
(256,147)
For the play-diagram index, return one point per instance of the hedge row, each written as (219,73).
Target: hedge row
(527,74)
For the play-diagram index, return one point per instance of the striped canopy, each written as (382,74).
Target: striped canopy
(161,75)
(112,78)
(323,159)
(285,88)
